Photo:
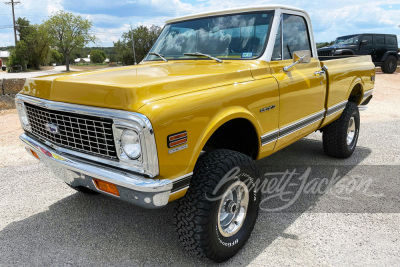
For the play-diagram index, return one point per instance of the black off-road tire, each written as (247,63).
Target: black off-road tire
(390,65)
(334,135)
(84,190)
(196,216)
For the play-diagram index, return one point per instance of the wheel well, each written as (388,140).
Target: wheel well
(238,135)
(356,94)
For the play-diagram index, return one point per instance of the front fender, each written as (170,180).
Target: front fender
(218,120)
(200,114)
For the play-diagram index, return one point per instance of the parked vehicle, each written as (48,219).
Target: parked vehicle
(216,92)
(3,67)
(383,49)
(16,68)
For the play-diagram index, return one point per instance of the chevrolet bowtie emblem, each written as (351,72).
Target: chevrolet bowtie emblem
(52,128)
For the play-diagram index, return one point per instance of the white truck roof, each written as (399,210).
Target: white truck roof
(236,10)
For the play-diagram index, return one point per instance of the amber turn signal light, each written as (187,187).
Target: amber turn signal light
(106,187)
(34,154)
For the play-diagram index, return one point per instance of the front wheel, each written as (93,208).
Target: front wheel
(217,215)
(341,136)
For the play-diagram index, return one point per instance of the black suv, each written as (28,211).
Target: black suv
(382,48)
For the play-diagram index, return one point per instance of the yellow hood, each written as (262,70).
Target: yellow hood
(129,88)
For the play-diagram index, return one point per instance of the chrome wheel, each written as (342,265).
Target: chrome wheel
(351,131)
(233,209)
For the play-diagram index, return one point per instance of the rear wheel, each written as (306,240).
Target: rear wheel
(340,137)
(390,64)
(217,215)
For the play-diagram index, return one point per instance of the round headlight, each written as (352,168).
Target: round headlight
(130,143)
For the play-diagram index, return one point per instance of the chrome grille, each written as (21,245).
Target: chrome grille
(87,134)
(327,53)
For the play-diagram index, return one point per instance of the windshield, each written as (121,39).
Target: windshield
(229,36)
(347,40)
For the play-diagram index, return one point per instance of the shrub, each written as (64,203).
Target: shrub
(97,56)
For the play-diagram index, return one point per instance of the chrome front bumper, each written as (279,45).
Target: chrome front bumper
(138,190)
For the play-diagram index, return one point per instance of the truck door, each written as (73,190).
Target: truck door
(367,48)
(380,47)
(302,89)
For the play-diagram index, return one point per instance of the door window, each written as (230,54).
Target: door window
(295,37)
(367,38)
(379,39)
(391,40)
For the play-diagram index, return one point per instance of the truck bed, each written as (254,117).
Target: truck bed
(327,58)
(345,72)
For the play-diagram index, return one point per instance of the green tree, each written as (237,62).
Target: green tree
(19,56)
(97,56)
(36,44)
(56,57)
(113,58)
(143,37)
(69,33)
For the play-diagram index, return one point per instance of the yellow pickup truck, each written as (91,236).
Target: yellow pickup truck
(216,92)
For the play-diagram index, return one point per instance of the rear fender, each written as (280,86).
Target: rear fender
(390,53)
(356,81)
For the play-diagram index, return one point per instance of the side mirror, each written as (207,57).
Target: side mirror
(303,56)
(364,42)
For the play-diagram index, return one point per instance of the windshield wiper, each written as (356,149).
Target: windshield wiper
(158,55)
(198,54)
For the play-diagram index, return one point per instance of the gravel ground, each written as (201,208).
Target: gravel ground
(43,222)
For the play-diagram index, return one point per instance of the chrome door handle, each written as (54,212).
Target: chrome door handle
(319,72)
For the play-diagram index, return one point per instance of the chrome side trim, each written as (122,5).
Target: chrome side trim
(179,190)
(182,177)
(147,164)
(362,108)
(292,128)
(336,108)
(181,183)
(269,137)
(367,94)
(302,123)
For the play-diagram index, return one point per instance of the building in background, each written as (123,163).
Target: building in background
(83,60)
(4,55)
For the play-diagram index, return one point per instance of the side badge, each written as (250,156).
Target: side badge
(267,108)
(177,141)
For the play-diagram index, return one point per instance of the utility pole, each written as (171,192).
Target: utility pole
(12,3)
(133,46)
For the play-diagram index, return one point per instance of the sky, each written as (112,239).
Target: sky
(330,18)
